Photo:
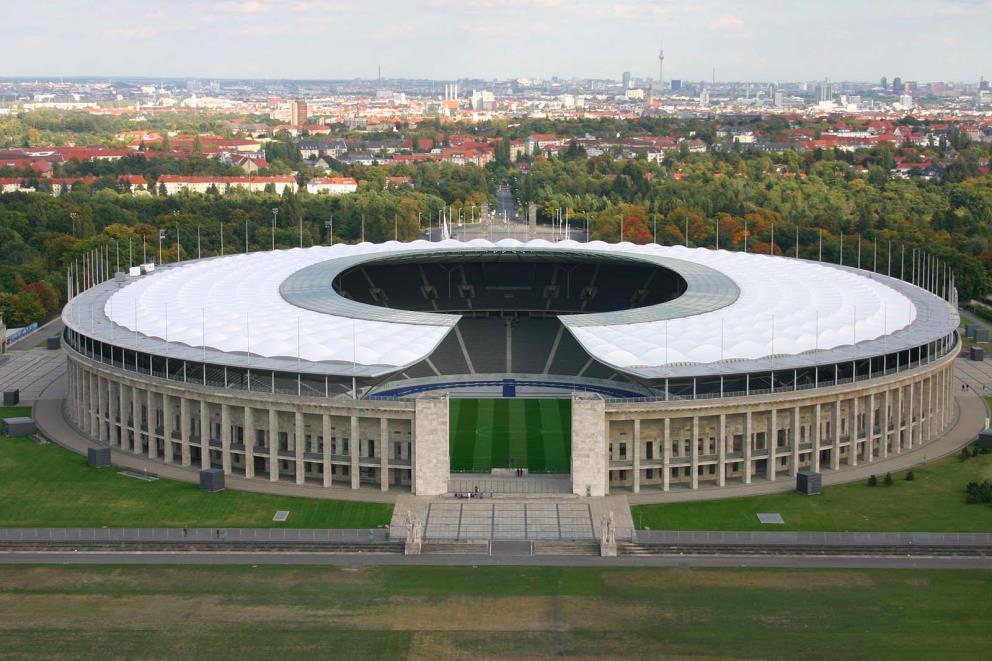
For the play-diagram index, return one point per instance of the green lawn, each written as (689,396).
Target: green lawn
(933,502)
(486,433)
(221,612)
(49,486)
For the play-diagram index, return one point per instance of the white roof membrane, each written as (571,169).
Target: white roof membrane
(785,306)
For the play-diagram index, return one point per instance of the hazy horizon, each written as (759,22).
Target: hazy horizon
(774,40)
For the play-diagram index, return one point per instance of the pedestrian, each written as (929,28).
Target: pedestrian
(185,532)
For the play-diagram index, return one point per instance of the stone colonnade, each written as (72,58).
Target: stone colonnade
(314,441)
(660,446)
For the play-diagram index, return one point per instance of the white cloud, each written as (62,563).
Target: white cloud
(728,23)
(244,6)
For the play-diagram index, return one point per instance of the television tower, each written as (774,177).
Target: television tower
(661,65)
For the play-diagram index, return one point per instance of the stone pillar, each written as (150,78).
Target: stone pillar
(91,417)
(910,426)
(150,423)
(103,418)
(666,453)
(384,454)
(772,443)
(136,418)
(123,411)
(326,449)
(184,430)
(852,449)
(796,429)
(167,427)
(721,451)
(225,438)
(815,433)
(273,445)
(204,434)
(637,455)
(300,445)
(897,423)
(870,431)
(883,426)
(694,455)
(927,405)
(431,463)
(835,427)
(355,446)
(249,441)
(747,447)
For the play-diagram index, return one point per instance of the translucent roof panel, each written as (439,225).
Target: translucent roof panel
(766,306)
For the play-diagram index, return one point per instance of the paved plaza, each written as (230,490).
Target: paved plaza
(509,520)
(31,372)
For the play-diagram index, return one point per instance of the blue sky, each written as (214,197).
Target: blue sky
(776,40)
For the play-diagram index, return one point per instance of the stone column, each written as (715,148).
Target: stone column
(326,449)
(102,417)
(870,430)
(796,429)
(883,426)
(910,420)
(300,445)
(355,447)
(897,423)
(772,444)
(225,438)
(123,409)
(384,454)
(815,437)
(721,451)
(430,457)
(249,441)
(666,453)
(273,445)
(184,431)
(167,427)
(694,455)
(928,404)
(747,447)
(852,449)
(637,455)
(136,418)
(204,434)
(91,428)
(835,428)
(150,423)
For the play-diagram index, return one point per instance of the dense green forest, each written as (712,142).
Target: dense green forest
(826,195)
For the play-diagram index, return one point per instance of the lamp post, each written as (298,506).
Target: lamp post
(161,237)
(275,215)
(329,226)
(179,246)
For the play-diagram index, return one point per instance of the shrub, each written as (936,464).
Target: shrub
(888,480)
(974,450)
(965,454)
(872,481)
(979,492)
(910,477)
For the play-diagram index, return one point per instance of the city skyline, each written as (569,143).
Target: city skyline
(446,40)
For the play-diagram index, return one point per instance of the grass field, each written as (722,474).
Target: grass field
(49,486)
(486,433)
(246,612)
(933,502)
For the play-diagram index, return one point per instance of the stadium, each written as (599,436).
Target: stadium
(584,368)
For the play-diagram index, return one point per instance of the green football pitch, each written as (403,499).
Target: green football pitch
(486,433)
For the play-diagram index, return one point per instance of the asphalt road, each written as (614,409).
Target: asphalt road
(224,558)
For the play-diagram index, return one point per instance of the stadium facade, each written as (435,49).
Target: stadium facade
(685,368)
